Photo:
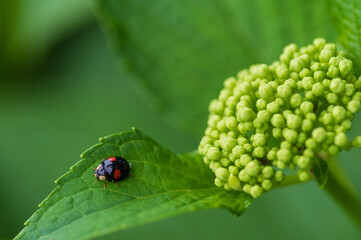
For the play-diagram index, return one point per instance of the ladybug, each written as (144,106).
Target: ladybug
(113,169)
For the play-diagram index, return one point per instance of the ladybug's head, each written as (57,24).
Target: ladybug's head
(99,172)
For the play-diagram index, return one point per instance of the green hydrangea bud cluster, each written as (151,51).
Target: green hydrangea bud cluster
(281,116)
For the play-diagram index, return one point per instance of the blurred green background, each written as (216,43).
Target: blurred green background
(63,86)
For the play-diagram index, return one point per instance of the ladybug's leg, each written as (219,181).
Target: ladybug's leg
(105,186)
(117,184)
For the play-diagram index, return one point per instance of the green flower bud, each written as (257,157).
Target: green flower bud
(228,143)
(328,119)
(278,121)
(242,140)
(291,105)
(301,138)
(218,182)
(224,95)
(357,95)
(296,100)
(304,162)
(261,104)
(294,121)
(327,52)
(319,134)
(253,168)
(245,159)
(304,176)
(259,139)
(264,116)
(354,106)
(307,83)
(341,140)
(357,142)
(281,165)
(273,107)
(346,67)
(227,187)
(334,150)
(213,153)
(279,176)
(284,91)
(332,98)
(216,107)
(256,191)
(337,85)
(333,72)
(319,76)
(277,133)
(350,89)
(243,176)
(247,188)
(318,89)
(226,162)
(222,174)
(339,114)
(245,114)
(272,155)
(286,145)
(233,170)
(290,135)
(266,92)
(234,182)
(309,153)
(347,124)
(297,65)
(267,184)
(231,123)
(248,147)
(291,48)
(230,83)
(319,43)
(267,172)
(305,73)
(282,72)
(306,107)
(260,71)
(259,152)
(311,143)
(284,155)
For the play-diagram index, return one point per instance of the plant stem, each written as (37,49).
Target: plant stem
(341,190)
(289,180)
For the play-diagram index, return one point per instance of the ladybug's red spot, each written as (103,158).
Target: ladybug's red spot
(117,174)
(112,159)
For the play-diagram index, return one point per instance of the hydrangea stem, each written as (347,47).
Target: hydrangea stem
(290,180)
(338,187)
(341,190)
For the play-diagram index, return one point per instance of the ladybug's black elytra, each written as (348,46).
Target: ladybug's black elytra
(113,169)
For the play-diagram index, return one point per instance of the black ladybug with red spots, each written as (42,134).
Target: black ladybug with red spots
(113,169)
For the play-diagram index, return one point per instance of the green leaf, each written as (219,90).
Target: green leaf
(346,16)
(181,51)
(27,33)
(163,185)
(319,168)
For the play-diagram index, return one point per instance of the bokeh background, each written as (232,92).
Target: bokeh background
(64,84)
